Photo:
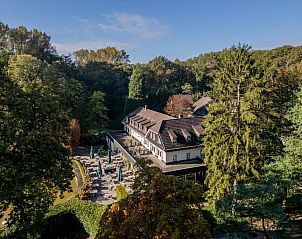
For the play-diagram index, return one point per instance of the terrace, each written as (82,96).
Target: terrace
(102,186)
(133,150)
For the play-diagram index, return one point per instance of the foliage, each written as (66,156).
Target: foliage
(63,225)
(75,134)
(239,132)
(97,112)
(179,105)
(187,89)
(121,192)
(20,41)
(33,153)
(287,168)
(136,83)
(28,72)
(110,79)
(108,54)
(89,213)
(160,207)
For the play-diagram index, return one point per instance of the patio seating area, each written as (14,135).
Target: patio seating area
(104,182)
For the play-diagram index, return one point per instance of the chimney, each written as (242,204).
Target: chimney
(146,107)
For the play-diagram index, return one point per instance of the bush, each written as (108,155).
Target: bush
(121,192)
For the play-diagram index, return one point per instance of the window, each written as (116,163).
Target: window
(175,158)
(188,155)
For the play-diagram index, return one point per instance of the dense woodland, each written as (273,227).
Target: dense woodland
(252,143)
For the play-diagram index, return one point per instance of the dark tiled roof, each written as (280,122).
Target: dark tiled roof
(151,115)
(203,101)
(168,128)
(181,128)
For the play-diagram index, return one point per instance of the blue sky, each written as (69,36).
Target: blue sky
(145,29)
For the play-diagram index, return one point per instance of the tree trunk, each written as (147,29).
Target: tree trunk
(237,129)
(234,200)
(267,236)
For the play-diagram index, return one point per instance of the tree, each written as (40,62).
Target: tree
(187,89)
(21,41)
(75,134)
(109,79)
(28,71)
(97,111)
(239,133)
(136,84)
(108,54)
(179,105)
(33,153)
(163,207)
(287,168)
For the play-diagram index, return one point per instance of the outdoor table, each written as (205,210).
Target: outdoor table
(90,168)
(94,178)
(93,173)
(95,185)
(93,192)
(87,164)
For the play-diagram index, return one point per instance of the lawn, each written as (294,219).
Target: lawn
(68,195)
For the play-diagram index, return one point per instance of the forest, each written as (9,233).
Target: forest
(252,144)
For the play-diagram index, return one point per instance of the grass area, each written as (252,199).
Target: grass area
(68,195)
(82,170)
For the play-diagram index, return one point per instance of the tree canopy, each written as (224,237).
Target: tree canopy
(160,207)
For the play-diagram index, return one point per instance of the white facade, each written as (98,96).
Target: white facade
(181,155)
(166,157)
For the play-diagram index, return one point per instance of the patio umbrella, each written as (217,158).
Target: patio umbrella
(91,152)
(99,169)
(119,173)
(109,160)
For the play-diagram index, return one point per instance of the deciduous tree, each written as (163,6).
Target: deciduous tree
(33,153)
(164,207)
(179,105)
(75,134)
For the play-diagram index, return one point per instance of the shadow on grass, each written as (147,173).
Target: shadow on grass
(63,225)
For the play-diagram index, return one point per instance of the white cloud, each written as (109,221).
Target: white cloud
(70,47)
(135,24)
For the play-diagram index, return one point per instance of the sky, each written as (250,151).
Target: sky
(172,28)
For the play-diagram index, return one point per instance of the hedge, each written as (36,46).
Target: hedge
(88,213)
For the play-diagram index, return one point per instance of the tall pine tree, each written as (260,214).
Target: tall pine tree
(237,134)
(136,84)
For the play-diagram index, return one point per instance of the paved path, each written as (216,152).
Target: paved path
(78,174)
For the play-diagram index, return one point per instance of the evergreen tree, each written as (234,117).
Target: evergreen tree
(136,84)
(237,133)
(288,168)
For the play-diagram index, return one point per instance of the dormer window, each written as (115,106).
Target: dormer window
(186,135)
(172,136)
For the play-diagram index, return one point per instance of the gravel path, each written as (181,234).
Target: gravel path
(78,175)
